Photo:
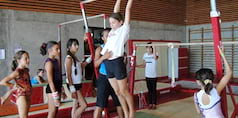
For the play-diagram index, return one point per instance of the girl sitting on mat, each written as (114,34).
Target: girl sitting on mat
(38,79)
(208,99)
(54,87)
(115,67)
(150,62)
(22,78)
(74,76)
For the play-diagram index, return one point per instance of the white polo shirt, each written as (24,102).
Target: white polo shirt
(151,63)
(116,41)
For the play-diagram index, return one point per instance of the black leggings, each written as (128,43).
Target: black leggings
(152,93)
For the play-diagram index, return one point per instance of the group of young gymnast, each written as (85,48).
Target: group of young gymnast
(112,78)
(114,69)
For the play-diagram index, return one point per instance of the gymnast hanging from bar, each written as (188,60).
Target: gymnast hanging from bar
(116,69)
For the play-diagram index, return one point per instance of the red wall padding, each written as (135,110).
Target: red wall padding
(183,62)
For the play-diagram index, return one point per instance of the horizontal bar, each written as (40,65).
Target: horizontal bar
(87,1)
(209,30)
(185,44)
(79,20)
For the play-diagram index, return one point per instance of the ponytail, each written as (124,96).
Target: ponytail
(74,60)
(14,65)
(208,87)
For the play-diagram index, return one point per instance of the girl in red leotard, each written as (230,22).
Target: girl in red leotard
(22,79)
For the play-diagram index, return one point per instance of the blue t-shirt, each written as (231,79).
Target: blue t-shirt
(34,81)
(102,69)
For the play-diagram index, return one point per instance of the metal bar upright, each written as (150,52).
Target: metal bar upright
(215,20)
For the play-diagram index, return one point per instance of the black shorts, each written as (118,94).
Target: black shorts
(58,89)
(76,86)
(116,68)
(104,89)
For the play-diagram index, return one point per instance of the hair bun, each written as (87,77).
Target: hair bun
(43,45)
(43,50)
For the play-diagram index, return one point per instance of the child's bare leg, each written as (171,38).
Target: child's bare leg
(2,100)
(6,96)
(74,107)
(122,100)
(22,105)
(51,107)
(124,90)
(83,105)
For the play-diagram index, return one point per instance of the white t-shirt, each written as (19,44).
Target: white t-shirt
(150,65)
(116,41)
(77,79)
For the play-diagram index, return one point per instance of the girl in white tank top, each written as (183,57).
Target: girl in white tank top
(208,100)
(74,77)
(76,72)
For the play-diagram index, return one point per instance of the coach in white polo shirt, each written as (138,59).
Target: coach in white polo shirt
(150,62)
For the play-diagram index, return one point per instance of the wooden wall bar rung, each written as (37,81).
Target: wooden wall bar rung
(203,56)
